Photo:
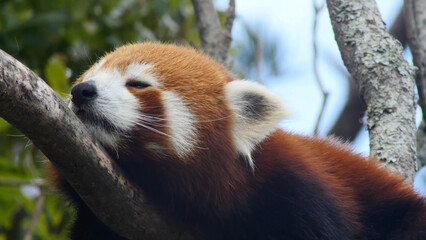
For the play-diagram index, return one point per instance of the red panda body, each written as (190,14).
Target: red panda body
(206,150)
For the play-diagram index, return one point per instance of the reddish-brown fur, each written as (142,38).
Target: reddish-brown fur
(359,184)
(333,193)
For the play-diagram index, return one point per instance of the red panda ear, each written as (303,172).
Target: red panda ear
(257,113)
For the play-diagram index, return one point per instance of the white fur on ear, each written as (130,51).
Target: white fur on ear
(257,114)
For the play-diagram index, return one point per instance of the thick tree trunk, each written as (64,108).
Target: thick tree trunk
(30,105)
(415,21)
(384,78)
(355,108)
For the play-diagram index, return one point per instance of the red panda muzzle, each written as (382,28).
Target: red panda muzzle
(83,93)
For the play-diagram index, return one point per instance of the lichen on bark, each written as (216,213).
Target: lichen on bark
(384,78)
(415,25)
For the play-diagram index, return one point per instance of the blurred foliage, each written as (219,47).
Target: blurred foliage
(59,39)
(257,52)
(75,33)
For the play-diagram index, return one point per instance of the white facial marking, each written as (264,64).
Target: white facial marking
(139,71)
(118,107)
(114,103)
(95,69)
(181,123)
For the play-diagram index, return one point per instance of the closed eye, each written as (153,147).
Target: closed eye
(137,84)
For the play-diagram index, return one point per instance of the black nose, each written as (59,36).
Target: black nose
(83,93)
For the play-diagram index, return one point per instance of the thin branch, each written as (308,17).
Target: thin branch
(415,23)
(258,56)
(35,217)
(215,40)
(317,10)
(385,80)
(30,105)
(349,122)
(230,16)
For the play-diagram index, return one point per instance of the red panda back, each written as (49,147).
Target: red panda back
(379,204)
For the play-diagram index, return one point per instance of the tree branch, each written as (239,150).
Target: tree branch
(385,80)
(317,10)
(215,40)
(416,31)
(349,123)
(29,104)
(355,108)
(35,216)
(415,22)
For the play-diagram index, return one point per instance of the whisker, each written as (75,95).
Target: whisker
(168,135)
(147,115)
(154,124)
(108,101)
(213,120)
(151,116)
(154,130)
(29,143)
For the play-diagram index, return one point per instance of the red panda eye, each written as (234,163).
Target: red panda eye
(137,84)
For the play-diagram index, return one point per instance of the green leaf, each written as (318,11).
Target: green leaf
(4,125)
(56,77)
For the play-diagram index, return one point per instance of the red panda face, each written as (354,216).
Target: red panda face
(103,103)
(173,101)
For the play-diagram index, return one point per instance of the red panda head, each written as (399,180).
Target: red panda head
(172,102)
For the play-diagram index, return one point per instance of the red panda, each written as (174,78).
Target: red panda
(206,149)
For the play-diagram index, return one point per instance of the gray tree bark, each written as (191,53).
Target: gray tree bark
(384,78)
(415,21)
(355,108)
(215,39)
(30,105)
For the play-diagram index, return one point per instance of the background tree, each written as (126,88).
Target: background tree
(415,22)
(355,108)
(385,80)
